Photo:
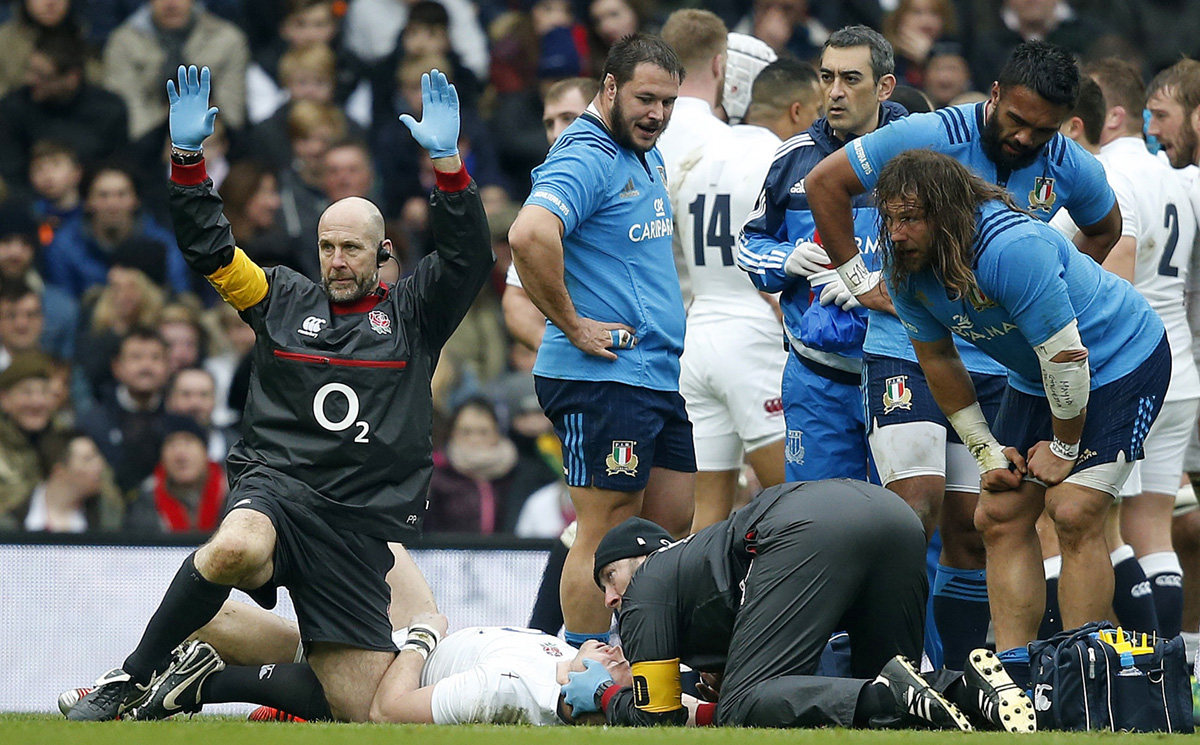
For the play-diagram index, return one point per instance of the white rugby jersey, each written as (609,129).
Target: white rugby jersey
(712,195)
(1157,211)
(496,675)
(693,125)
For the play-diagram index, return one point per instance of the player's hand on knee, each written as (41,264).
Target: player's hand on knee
(806,259)
(600,338)
(1047,467)
(581,687)
(191,119)
(437,131)
(1005,479)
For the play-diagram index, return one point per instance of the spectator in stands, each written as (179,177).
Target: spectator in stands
(1052,21)
(230,367)
(21,320)
(947,74)
(57,103)
(130,424)
(18,247)
(786,26)
(187,341)
(146,49)
(914,28)
(25,410)
(304,23)
(479,482)
(18,35)
(308,73)
(312,130)
(372,31)
(348,171)
(252,202)
(186,491)
(82,250)
(130,300)
(55,174)
(77,494)
(192,393)
(609,21)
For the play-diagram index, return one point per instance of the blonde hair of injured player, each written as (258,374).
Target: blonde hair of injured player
(247,635)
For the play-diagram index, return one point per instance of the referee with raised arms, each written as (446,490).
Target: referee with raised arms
(336,457)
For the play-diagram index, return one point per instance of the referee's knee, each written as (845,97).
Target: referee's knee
(233,558)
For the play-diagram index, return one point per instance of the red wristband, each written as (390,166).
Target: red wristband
(608,696)
(189,175)
(705,712)
(451,182)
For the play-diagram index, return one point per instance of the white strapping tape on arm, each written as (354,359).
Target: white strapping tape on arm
(857,277)
(973,430)
(1067,384)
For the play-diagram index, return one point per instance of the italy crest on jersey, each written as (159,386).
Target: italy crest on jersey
(1042,196)
(896,395)
(978,300)
(622,459)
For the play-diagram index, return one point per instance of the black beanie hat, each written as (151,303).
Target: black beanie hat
(636,536)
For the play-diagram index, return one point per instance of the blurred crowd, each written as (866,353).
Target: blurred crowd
(121,375)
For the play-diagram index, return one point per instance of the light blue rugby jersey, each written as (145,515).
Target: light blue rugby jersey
(619,265)
(1033,281)
(1064,175)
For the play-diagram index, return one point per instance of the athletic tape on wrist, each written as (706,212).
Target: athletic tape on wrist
(856,275)
(1064,450)
(421,639)
(973,430)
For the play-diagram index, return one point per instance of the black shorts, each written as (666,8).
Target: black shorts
(613,434)
(337,578)
(898,393)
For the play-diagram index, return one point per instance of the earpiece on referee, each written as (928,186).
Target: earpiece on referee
(382,255)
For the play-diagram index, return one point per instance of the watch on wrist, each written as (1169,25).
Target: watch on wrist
(600,693)
(186,157)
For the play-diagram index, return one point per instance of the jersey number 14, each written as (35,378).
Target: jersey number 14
(720,231)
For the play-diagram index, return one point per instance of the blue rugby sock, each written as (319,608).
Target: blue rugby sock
(576,639)
(1166,585)
(1133,600)
(960,607)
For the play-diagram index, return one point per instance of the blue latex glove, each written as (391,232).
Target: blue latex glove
(437,131)
(580,690)
(191,118)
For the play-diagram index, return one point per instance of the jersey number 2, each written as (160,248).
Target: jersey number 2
(720,231)
(1171,222)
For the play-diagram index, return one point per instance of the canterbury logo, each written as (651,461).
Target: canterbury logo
(311,326)
(1141,589)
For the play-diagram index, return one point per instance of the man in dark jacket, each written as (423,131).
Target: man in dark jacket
(757,596)
(336,457)
(57,104)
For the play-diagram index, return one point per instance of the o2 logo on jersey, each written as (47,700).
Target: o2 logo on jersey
(348,419)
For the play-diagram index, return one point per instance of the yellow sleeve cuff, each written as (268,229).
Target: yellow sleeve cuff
(241,283)
(656,686)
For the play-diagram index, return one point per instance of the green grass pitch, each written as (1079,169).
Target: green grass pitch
(44,729)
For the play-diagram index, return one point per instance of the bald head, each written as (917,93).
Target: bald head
(349,236)
(354,214)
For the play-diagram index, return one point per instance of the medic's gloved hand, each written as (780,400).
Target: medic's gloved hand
(437,131)
(580,690)
(806,259)
(191,119)
(836,292)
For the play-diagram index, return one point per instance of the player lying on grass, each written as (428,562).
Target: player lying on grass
(482,675)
